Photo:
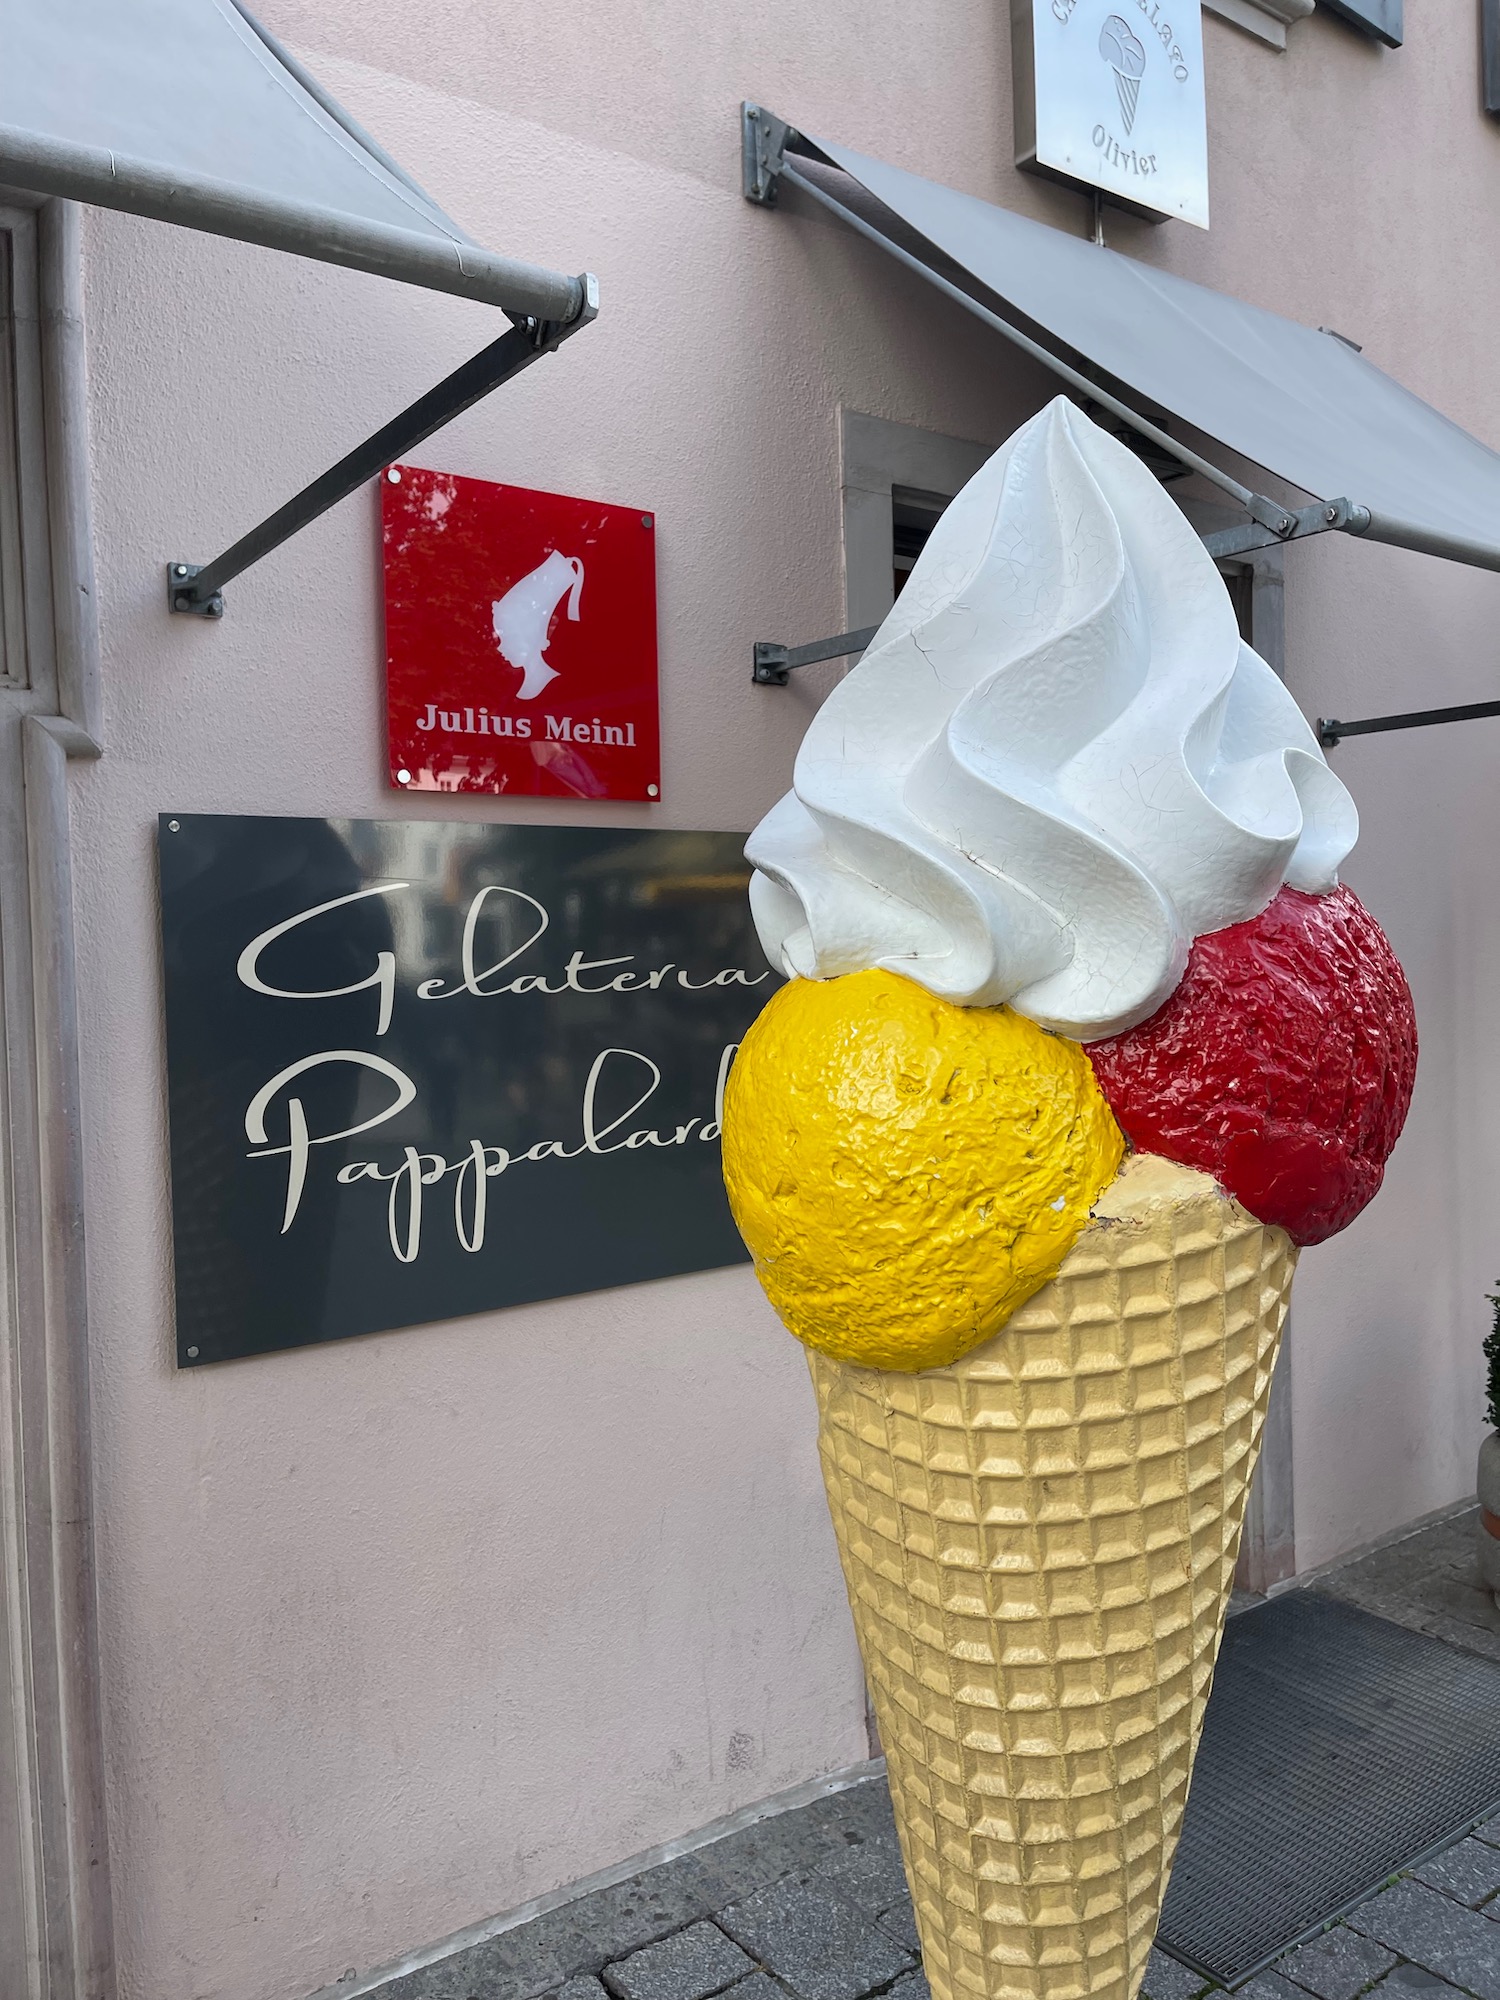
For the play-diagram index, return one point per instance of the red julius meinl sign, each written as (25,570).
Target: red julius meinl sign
(520,636)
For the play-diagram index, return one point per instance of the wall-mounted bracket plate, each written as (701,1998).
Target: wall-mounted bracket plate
(184,599)
(764,139)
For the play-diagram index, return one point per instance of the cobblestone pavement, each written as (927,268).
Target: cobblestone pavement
(1428,1582)
(812,1904)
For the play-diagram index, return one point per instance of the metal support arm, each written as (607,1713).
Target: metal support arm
(769,149)
(764,144)
(1331,730)
(774,662)
(1318,519)
(197,589)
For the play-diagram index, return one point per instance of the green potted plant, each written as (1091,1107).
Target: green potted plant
(1488,1482)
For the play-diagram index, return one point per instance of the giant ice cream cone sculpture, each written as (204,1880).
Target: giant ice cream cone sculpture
(1057,878)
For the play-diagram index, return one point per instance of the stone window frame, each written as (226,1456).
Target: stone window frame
(1267,20)
(25,620)
(56,1931)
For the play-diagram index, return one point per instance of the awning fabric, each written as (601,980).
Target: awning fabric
(186,110)
(1301,403)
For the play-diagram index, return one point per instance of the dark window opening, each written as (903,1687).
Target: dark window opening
(913,517)
(1239,581)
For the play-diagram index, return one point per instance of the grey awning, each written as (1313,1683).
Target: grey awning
(187,111)
(1303,404)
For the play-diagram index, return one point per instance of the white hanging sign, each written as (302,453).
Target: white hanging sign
(1109,95)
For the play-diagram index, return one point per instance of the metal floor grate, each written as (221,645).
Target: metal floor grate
(1338,1749)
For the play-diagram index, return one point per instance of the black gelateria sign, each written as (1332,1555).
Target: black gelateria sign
(423,1069)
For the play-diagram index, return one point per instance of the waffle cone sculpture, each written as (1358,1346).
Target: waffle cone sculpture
(1038,1542)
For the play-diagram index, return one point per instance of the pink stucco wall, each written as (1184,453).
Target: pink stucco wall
(401,1632)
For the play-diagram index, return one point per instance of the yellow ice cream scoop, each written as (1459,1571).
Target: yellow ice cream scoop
(907,1172)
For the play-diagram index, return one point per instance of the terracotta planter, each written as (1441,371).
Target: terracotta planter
(1487,1532)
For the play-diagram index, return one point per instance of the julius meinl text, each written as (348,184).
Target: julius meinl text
(558,728)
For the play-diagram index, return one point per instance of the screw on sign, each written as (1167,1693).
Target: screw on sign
(520,640)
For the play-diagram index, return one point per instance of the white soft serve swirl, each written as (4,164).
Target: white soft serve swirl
(1056,765)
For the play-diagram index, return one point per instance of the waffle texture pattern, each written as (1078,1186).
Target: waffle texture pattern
(1039,1542)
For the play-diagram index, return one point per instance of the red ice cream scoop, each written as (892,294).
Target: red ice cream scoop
(1282,1065)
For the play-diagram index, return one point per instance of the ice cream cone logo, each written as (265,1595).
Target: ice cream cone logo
(523,618)
(1126,56)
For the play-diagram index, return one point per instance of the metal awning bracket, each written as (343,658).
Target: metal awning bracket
(774,663)
(1290,525)
(771,152)
(763,139)
(766,164)
(1331,730)
(195,590)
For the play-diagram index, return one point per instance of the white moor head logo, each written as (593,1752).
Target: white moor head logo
(523,618)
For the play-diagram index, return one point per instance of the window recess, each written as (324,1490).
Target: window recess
(1380,19)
